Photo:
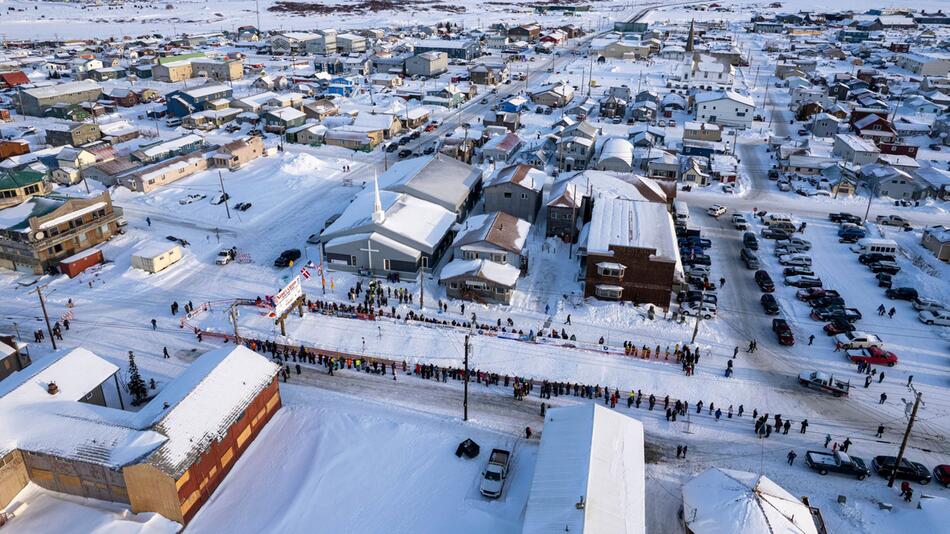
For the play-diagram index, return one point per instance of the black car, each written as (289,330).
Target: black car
(844,217)
(405,153)
(775,233)
(695,241)
(286,257)
(907,470)
(871,257)
(693,295)
(749,241)
(428,150)
(403,141)
(797,270)
(836,312)
(698,259)
(888,267)
(392,147)
(901,293)
(415,135)
(769,304)
(884,280)
(827,302)
(764,281)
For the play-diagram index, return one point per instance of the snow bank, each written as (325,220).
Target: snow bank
(301,164)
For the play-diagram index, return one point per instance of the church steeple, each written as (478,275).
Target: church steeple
(378,214)
(691,38)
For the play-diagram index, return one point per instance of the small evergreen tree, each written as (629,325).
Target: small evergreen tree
(137,387)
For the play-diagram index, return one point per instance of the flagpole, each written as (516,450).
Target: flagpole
(323,278)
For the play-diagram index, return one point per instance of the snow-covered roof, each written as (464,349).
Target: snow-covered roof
(62,89)
(445,181)
(500,229)
(711,96)
(202,403)
(721,501)
(503,274)
(592,453)
(618,148)
(172,144)
(207,90)
(524,175)
(411,221)
(630,223)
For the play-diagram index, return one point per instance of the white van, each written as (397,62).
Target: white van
(173,122)
(881,246)
(681,211)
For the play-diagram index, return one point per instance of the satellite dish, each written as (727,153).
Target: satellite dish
(39,235)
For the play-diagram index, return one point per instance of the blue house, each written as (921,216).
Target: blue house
(182,103)
(340,86)
(514,104)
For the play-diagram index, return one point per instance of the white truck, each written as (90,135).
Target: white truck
(495,473)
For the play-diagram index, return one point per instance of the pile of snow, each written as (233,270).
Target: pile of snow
(36,509)
(301,164)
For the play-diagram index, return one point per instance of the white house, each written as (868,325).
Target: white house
(725,107)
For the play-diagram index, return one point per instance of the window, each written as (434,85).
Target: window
(243,436)
(611,270)
(189,502)
(227,457)
(507,195)
(425,262)
(501,290)
(352,260)
(183,480)
(275,398)
(524,196)
(385,264)
(608,292)
(454,285)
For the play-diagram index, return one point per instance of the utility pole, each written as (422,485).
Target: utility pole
(49,329)
(910,425)
(233,314)
(224,195)
(422,286)
(465,384)
(699,316)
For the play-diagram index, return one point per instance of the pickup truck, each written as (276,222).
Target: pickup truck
(495,473)
(824,382)
(836,462)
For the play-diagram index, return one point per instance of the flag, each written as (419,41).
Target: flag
(305,273)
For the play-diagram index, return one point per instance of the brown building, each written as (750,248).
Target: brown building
(13,356)
(13,147)
(631,252)
(66,429)
(235,154)
(525,32)
(38,233)
(150,177)
(73,133)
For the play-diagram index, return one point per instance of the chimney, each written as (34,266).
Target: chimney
(52,388)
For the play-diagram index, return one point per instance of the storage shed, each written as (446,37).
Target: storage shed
(156,257)
(78,263)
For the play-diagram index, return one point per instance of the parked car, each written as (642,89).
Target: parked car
(851,237)
(826,314)
(783,332)
(827,301)
(901,293)
(392,147)
(704,310)
(696,240)
(774,233)
(801,280)
(716,210)
(838,325)
(889,267)
(872,257)
(693,295)
(764,281)
(857,340)
(404,153)
(872,355)
(907,470)
(824,382)
(942,474)
(884,280)
(936,317)
(815,293)
(800,260)
(243,206)
(785,250)
(844,217)
(749,241)
(769,304)
(836,462)
(794,271)
(220,198)
(225,256)
(700,259)
(286,257)
(192,198)
(797,242)
(926,304)
(850,228)
(892,220)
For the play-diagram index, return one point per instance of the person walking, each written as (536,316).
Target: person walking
(148,221)
(685,448)
(735,352)
(165,353)
(881,310)
(880,431)
(679,451)
(827,440)
(867,382)
(741,409)
(154,324)
(791,457)
(788,425)
(845,444)
(880,377)
(883,398)
(804,426)
(718,413)
(891,312)
(910,379)
(527,432)
(811,339)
